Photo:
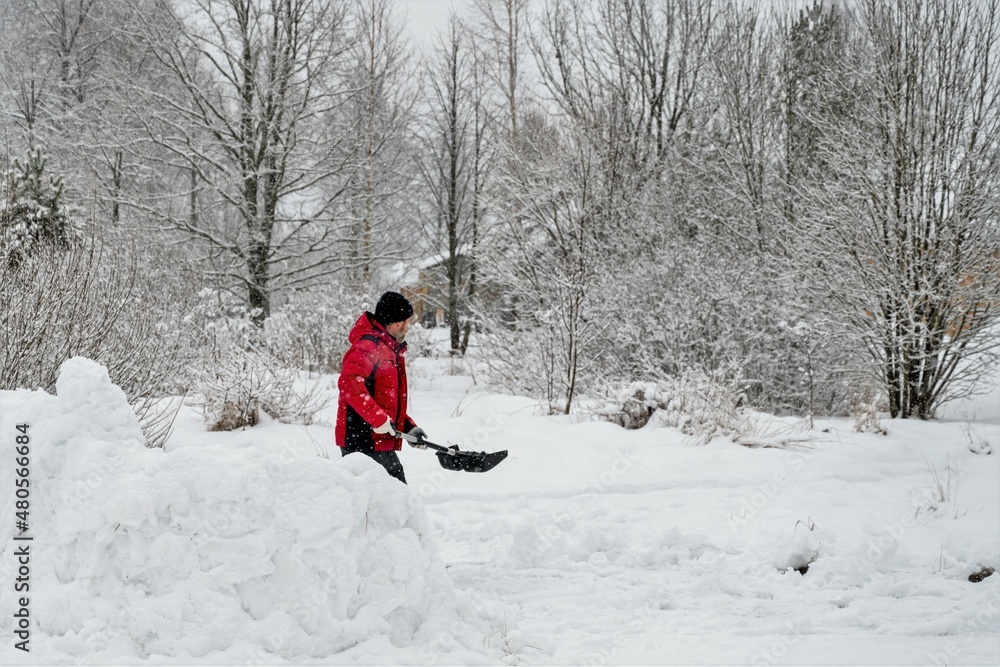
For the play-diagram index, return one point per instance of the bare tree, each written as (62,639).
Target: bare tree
(53,50)
(627,68)
(452,166)
(74,31)
(747,141)
(627,74)
(907,238)
(548,252)
(380,160)
(260,85)
(484,153)
(25,81)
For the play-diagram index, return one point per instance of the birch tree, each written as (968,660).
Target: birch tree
(504,24)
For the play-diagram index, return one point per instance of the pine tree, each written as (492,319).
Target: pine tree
(31,212)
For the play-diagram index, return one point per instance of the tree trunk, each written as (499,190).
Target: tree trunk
(258,296)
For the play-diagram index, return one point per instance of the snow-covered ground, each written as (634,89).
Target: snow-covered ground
(588,545)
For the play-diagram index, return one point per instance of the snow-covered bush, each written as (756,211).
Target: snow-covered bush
(250,369)
(526,361)
(309,330)
(306,330)
(864,410)
(238,384)
(701,405)
(705,307)
(633,406)
(424,342)
(656,313)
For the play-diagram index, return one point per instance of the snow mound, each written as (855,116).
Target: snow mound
(801,549)
(213,554)
(85,390)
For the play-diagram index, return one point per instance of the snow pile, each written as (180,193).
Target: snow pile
(215,554)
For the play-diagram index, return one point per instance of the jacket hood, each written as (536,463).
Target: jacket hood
(366,325)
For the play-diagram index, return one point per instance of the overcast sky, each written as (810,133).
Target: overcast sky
(426,17)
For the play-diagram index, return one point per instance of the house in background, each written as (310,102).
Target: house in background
(426,286)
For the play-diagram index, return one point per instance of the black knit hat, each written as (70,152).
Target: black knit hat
(393,307)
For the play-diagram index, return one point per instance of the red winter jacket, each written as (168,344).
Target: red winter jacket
(372,387)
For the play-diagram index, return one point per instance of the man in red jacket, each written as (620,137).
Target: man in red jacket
(372,407)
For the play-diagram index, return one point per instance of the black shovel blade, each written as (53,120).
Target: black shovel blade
(470,461)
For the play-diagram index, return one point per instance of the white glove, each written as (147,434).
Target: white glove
(385,428)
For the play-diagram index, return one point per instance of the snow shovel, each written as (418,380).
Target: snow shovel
(454,458)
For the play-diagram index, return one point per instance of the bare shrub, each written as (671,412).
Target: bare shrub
(156,417)
(55,307)
(978,442)
(701,405)
(91,300)
(238,384)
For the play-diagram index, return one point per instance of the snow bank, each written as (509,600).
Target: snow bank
(213,554)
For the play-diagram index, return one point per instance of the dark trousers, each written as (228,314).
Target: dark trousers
(388,460)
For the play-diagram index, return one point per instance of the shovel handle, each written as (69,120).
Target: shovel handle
(417,441)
